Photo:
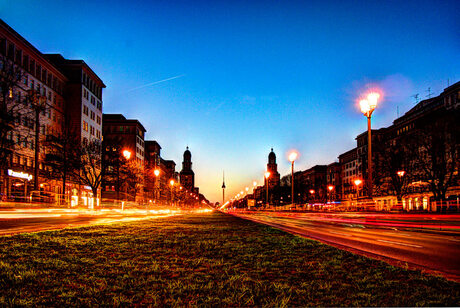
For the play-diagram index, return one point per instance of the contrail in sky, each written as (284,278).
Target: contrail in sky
(156,82)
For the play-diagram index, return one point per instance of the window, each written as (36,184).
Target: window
(93,115)
(93,100)
(85,126)
(98,120)
(85,109)
(99,105)
(91,130)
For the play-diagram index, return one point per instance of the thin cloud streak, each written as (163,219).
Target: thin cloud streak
(155,82)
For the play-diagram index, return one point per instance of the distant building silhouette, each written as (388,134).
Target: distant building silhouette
(187,176)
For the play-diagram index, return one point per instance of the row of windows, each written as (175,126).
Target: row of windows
(92,99)
(91,85)
(23,161)
(92,130)
(140,151)
(22,59)
(43,91)
(21,141)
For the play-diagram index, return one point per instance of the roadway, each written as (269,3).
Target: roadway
(425,241)
(14,221)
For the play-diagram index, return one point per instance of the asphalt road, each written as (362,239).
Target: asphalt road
(428,242)
(14,221)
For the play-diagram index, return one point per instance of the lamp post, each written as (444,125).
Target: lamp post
(267,175)
(127,156)
(156,172)
(330,188)
(357,183)
(172,186)
(400,173)
(39,105)
(367,107)
(292,158)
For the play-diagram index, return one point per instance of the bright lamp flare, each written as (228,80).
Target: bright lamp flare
(156,172)
(293,156)
(247,188)
(330,187)
(254,183)
(127,154)
(358,182)
(372,98)
(267,174)
(171,182)
(364,105)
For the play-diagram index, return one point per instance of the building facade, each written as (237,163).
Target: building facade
(124,152)
(40,103)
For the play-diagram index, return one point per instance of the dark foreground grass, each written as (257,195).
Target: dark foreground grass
(203,259)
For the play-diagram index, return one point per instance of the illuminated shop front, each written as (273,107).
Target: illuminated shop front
(18,184)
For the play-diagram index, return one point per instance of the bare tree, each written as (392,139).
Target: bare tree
(436,152)
(392,167)
(11,77)
(63,154)
(89,169)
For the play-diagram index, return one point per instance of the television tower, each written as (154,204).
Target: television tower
(223,187)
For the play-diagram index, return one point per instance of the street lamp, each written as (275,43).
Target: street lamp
(171,182)
(357,183)
(292,158)
(330,188)
(367,107)
(267,175)
(127,156)
(156,172)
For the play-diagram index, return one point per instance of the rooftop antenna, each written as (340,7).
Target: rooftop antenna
(417,99)
(429,92)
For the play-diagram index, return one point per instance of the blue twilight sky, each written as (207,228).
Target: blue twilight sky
(251,74)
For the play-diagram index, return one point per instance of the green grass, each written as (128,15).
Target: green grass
(203,259)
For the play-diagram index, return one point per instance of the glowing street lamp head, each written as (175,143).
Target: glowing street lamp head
(330,187)
(358,182)
(127,154)
(372,98)
(254,183)
(369,104)
(293,156)
(364,105)
(247,189)
(171,182)
(312,191)
(401,173)
(156,172)
(267,174)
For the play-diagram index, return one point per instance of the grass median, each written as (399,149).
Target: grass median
(208,259)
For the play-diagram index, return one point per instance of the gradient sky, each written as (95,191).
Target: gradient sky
(251,74)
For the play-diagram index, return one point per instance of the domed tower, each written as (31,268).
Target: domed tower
(187,176)
(272,167)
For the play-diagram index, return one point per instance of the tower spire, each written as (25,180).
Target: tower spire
(223,187)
